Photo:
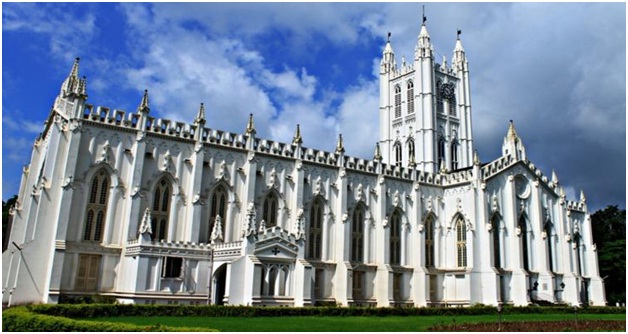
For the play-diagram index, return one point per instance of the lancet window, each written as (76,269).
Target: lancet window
(357,234)
(395,238)
(524,243)
(270,209)
(397,101)
(218,207)
(461,242)
(96,210)
(315,234)
(161,209)
(429,241)
(410,97)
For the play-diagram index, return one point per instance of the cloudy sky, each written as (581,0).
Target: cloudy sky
(557,70)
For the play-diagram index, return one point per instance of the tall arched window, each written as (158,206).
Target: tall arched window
(548,238)
(429,241)
(496,242)
(441,151)
(397,101)
(397,149)
(577,238)
(270,209)
(411,155)
(218,207)
(315,233)
(524,243)
(454,155)
(357,234)
(410,97)
(440,105)
(461,242)
(452,106)
(395,238)
(161,209)
(96,210)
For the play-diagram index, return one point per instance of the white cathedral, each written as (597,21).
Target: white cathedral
(154,211)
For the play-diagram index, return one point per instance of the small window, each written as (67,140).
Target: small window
(172,267)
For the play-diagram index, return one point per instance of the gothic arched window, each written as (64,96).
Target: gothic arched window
(218,207)
(315,233)
(454,155)
(461,242)
(524,243)
(96,210)
(550,252)
(411,155)
(161,209)
(270,209)
(397,149)
(397,101)
(410,97)
(429,241)
(496,242)
(395,238)
(441,151)
(357,234)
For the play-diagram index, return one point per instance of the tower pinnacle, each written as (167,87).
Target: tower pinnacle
(143,107)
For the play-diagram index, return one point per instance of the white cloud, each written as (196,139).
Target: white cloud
(68,31)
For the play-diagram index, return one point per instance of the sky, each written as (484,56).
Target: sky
(558,70)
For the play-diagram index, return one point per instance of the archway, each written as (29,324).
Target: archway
(220,282)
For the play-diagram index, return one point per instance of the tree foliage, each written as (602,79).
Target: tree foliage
(609,235)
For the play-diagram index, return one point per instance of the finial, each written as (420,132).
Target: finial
(378,154)
(250,127)
(512,133)
(442,170)
(339,147)
(75,67)
(201,113)
(458,34)
(554,177)
(424,17)
(144,104)
(476,158)
(297,140)
(388,40)
(582,198)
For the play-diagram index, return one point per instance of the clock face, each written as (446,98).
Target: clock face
(448,91)
(522,187)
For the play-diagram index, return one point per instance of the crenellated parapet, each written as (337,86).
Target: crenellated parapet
(187,249)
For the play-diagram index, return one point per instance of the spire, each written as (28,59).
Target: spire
(512,144)
(200,117)
(424,46)
(459,58)
(143,107)
(250,127)
(388,57)
(297,140)
(378,154)
(339,147)
(582,198)
(73,85)
(476,158)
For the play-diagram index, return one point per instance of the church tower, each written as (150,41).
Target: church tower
(425,109)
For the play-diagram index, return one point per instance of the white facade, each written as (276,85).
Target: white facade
(143,209)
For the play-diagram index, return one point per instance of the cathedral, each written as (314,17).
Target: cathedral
(155,211)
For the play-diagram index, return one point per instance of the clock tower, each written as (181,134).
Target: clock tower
(425,109)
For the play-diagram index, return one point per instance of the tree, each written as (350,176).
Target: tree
(609,235)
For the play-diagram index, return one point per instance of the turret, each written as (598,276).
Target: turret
(424,46)
(513,145)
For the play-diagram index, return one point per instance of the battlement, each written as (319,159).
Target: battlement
(200,251)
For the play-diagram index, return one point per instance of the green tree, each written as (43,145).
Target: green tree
(609,235)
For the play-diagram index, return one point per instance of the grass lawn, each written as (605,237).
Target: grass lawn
(341,324)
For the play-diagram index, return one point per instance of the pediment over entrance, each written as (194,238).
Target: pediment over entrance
(276,243)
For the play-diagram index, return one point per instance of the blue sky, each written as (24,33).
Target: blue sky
(558,70)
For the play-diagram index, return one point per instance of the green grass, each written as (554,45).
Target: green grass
(340,324)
